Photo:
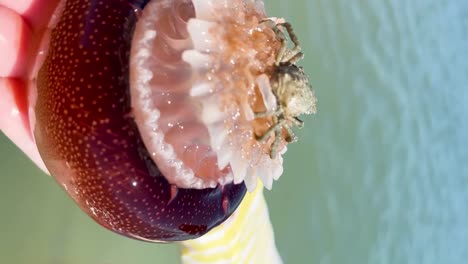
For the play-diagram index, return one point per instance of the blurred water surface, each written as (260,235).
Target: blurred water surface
(380,174)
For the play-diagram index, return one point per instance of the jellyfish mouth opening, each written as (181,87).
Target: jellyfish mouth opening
(199,71)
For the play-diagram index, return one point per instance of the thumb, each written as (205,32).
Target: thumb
(14,121)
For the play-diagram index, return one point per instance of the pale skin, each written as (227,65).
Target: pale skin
(22,24)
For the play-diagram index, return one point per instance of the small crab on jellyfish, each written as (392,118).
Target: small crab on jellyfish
(241,93)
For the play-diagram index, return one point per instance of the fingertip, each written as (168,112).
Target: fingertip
(14,34)
(36,13)
(19,7)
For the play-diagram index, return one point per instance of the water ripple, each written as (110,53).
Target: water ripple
(389,140)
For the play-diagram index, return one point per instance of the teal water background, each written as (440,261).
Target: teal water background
(380,174)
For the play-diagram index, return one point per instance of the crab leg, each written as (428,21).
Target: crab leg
(267,114)
(299,56)
(291,135)
(297,47)
(283,50)
(272,129)
(275,144)
(299,123)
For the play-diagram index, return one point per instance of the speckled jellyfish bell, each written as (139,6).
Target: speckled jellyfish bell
(157,116)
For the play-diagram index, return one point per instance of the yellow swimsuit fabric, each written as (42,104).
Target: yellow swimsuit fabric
(246,237)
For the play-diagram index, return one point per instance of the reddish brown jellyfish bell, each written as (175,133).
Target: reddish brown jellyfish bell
(157,116)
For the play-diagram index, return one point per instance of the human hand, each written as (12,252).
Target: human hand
(22,24)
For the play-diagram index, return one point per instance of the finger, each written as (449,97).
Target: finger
(14,121)
(14,34)
(19,6)
(36,13)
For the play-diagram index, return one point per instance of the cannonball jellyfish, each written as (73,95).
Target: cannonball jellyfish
(157,116)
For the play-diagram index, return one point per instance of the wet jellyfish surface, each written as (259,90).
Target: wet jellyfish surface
(157,116)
